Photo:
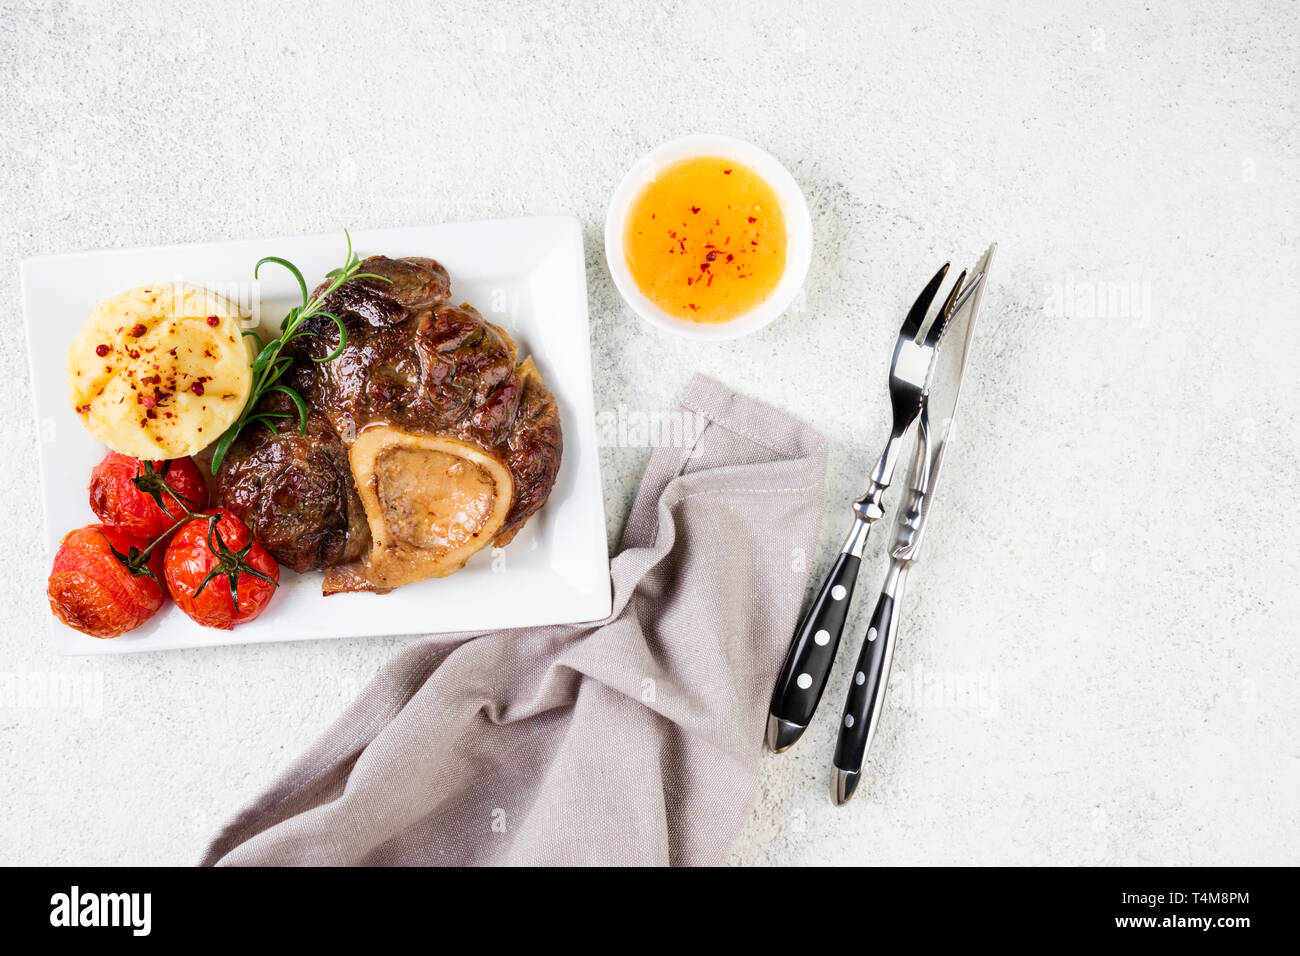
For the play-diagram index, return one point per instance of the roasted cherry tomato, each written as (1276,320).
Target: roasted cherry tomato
(125,492)
(102,583)
(211,560)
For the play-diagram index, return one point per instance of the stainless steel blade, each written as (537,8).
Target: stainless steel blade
(937,411)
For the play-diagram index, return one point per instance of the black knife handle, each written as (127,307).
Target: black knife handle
(866,697)
(812,652)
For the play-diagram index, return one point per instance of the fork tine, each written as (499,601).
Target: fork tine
(935,332)
(912,324)
(968,291)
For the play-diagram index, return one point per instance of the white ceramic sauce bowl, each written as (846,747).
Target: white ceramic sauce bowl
(798,225)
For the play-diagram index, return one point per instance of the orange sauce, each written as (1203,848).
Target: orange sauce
(705,240)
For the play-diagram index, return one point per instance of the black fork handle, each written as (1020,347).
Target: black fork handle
(812,652)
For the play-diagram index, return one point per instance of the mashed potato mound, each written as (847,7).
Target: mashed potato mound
(161,371)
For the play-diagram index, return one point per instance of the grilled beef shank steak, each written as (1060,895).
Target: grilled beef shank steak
(427,438)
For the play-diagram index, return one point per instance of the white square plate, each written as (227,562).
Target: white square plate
(527,275)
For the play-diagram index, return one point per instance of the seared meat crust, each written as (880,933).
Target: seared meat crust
(413,362)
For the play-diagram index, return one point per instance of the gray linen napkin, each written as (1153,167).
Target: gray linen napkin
(633,740)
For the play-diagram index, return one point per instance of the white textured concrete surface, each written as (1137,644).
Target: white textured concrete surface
(1098,663)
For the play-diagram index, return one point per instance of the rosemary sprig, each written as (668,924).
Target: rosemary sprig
(270,366)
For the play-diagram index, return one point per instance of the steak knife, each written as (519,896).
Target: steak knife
(866,696)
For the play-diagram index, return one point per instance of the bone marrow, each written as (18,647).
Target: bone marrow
(431,503)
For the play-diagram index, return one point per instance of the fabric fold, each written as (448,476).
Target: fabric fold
(628,741)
